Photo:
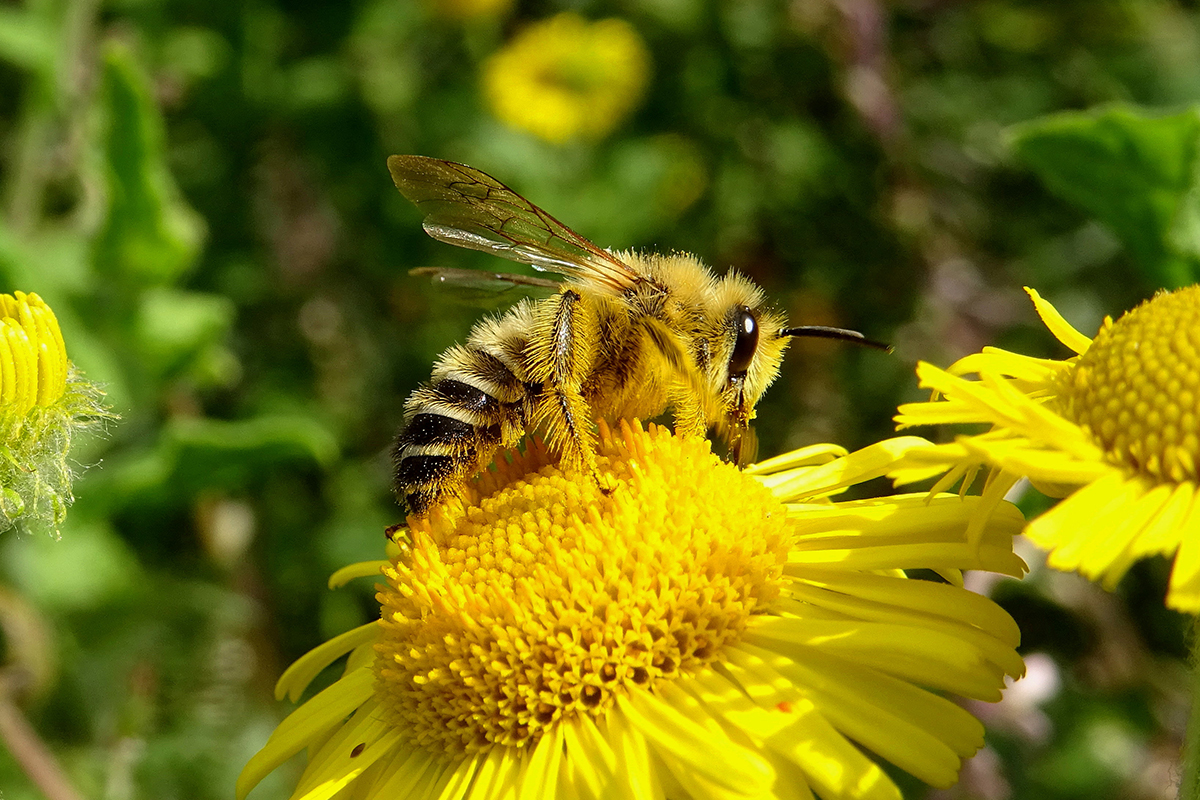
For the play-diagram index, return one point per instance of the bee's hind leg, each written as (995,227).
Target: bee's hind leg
(575,440)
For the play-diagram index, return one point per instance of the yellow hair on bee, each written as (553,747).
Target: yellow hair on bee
(628,335)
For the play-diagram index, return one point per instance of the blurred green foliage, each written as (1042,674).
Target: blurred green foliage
(198,189)
(1134,172)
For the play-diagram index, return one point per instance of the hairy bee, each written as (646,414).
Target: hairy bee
(627,335)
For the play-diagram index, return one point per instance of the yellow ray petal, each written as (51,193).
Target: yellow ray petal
(589,759)
(860,466)
(1013,365)
(539,775)
(363,569)
(1108,556)
(796,732)
(903,601)
(293,734)
(1058,526)
(861,707)
(407,775)
(804,457)
(635,777)
(950,658)
(1184,591)
(296,678)
(1063,331)
(357,745)
(732,768)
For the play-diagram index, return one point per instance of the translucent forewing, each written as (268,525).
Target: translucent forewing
(469,208)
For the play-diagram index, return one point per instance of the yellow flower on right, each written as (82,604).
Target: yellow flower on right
(1114,429)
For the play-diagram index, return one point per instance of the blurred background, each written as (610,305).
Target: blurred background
(199,191)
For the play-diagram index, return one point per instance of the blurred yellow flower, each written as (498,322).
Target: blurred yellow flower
(1116,427)
(699,632)
(470,9)
(566,78)
(42,402)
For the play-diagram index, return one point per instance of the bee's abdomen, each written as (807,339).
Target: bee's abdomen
(466,397)
(421,478)
(434,430)
(453,428)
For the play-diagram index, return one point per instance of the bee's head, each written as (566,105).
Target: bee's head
(746,345)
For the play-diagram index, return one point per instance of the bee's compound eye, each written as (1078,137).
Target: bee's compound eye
(745,343)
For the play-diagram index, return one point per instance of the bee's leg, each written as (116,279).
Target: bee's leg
(743,447)
(562,358)
(689,413)
(685,393)
(568,428)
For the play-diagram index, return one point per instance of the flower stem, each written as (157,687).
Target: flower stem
(1189,787)
(27,748)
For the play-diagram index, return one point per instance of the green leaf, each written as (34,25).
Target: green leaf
(1135,172)
(174,326)
(26,41)
(100,563)
(193,455)
(151,236)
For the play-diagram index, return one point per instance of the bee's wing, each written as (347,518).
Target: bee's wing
(469,208)
(484,289)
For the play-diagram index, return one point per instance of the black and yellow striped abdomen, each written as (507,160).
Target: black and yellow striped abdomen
(474,403)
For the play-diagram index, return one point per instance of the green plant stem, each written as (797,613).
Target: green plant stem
(52,101)
(1189,787)
(27,748)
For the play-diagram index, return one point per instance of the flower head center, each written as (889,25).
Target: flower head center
(1137,387)
(540,597)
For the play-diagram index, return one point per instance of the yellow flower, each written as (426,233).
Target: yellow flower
(1117,427)
(42,401)
(566,78)
(699,632)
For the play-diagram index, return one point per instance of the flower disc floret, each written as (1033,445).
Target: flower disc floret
(504,619)
(1137,388)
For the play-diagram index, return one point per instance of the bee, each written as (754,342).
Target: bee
(626,335)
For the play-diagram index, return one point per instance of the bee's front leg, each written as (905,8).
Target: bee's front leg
(561,357)
(685,395)
(688,410)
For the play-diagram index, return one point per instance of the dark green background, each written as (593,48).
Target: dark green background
(199,191)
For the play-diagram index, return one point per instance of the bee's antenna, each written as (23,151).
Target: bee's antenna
(822,332)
